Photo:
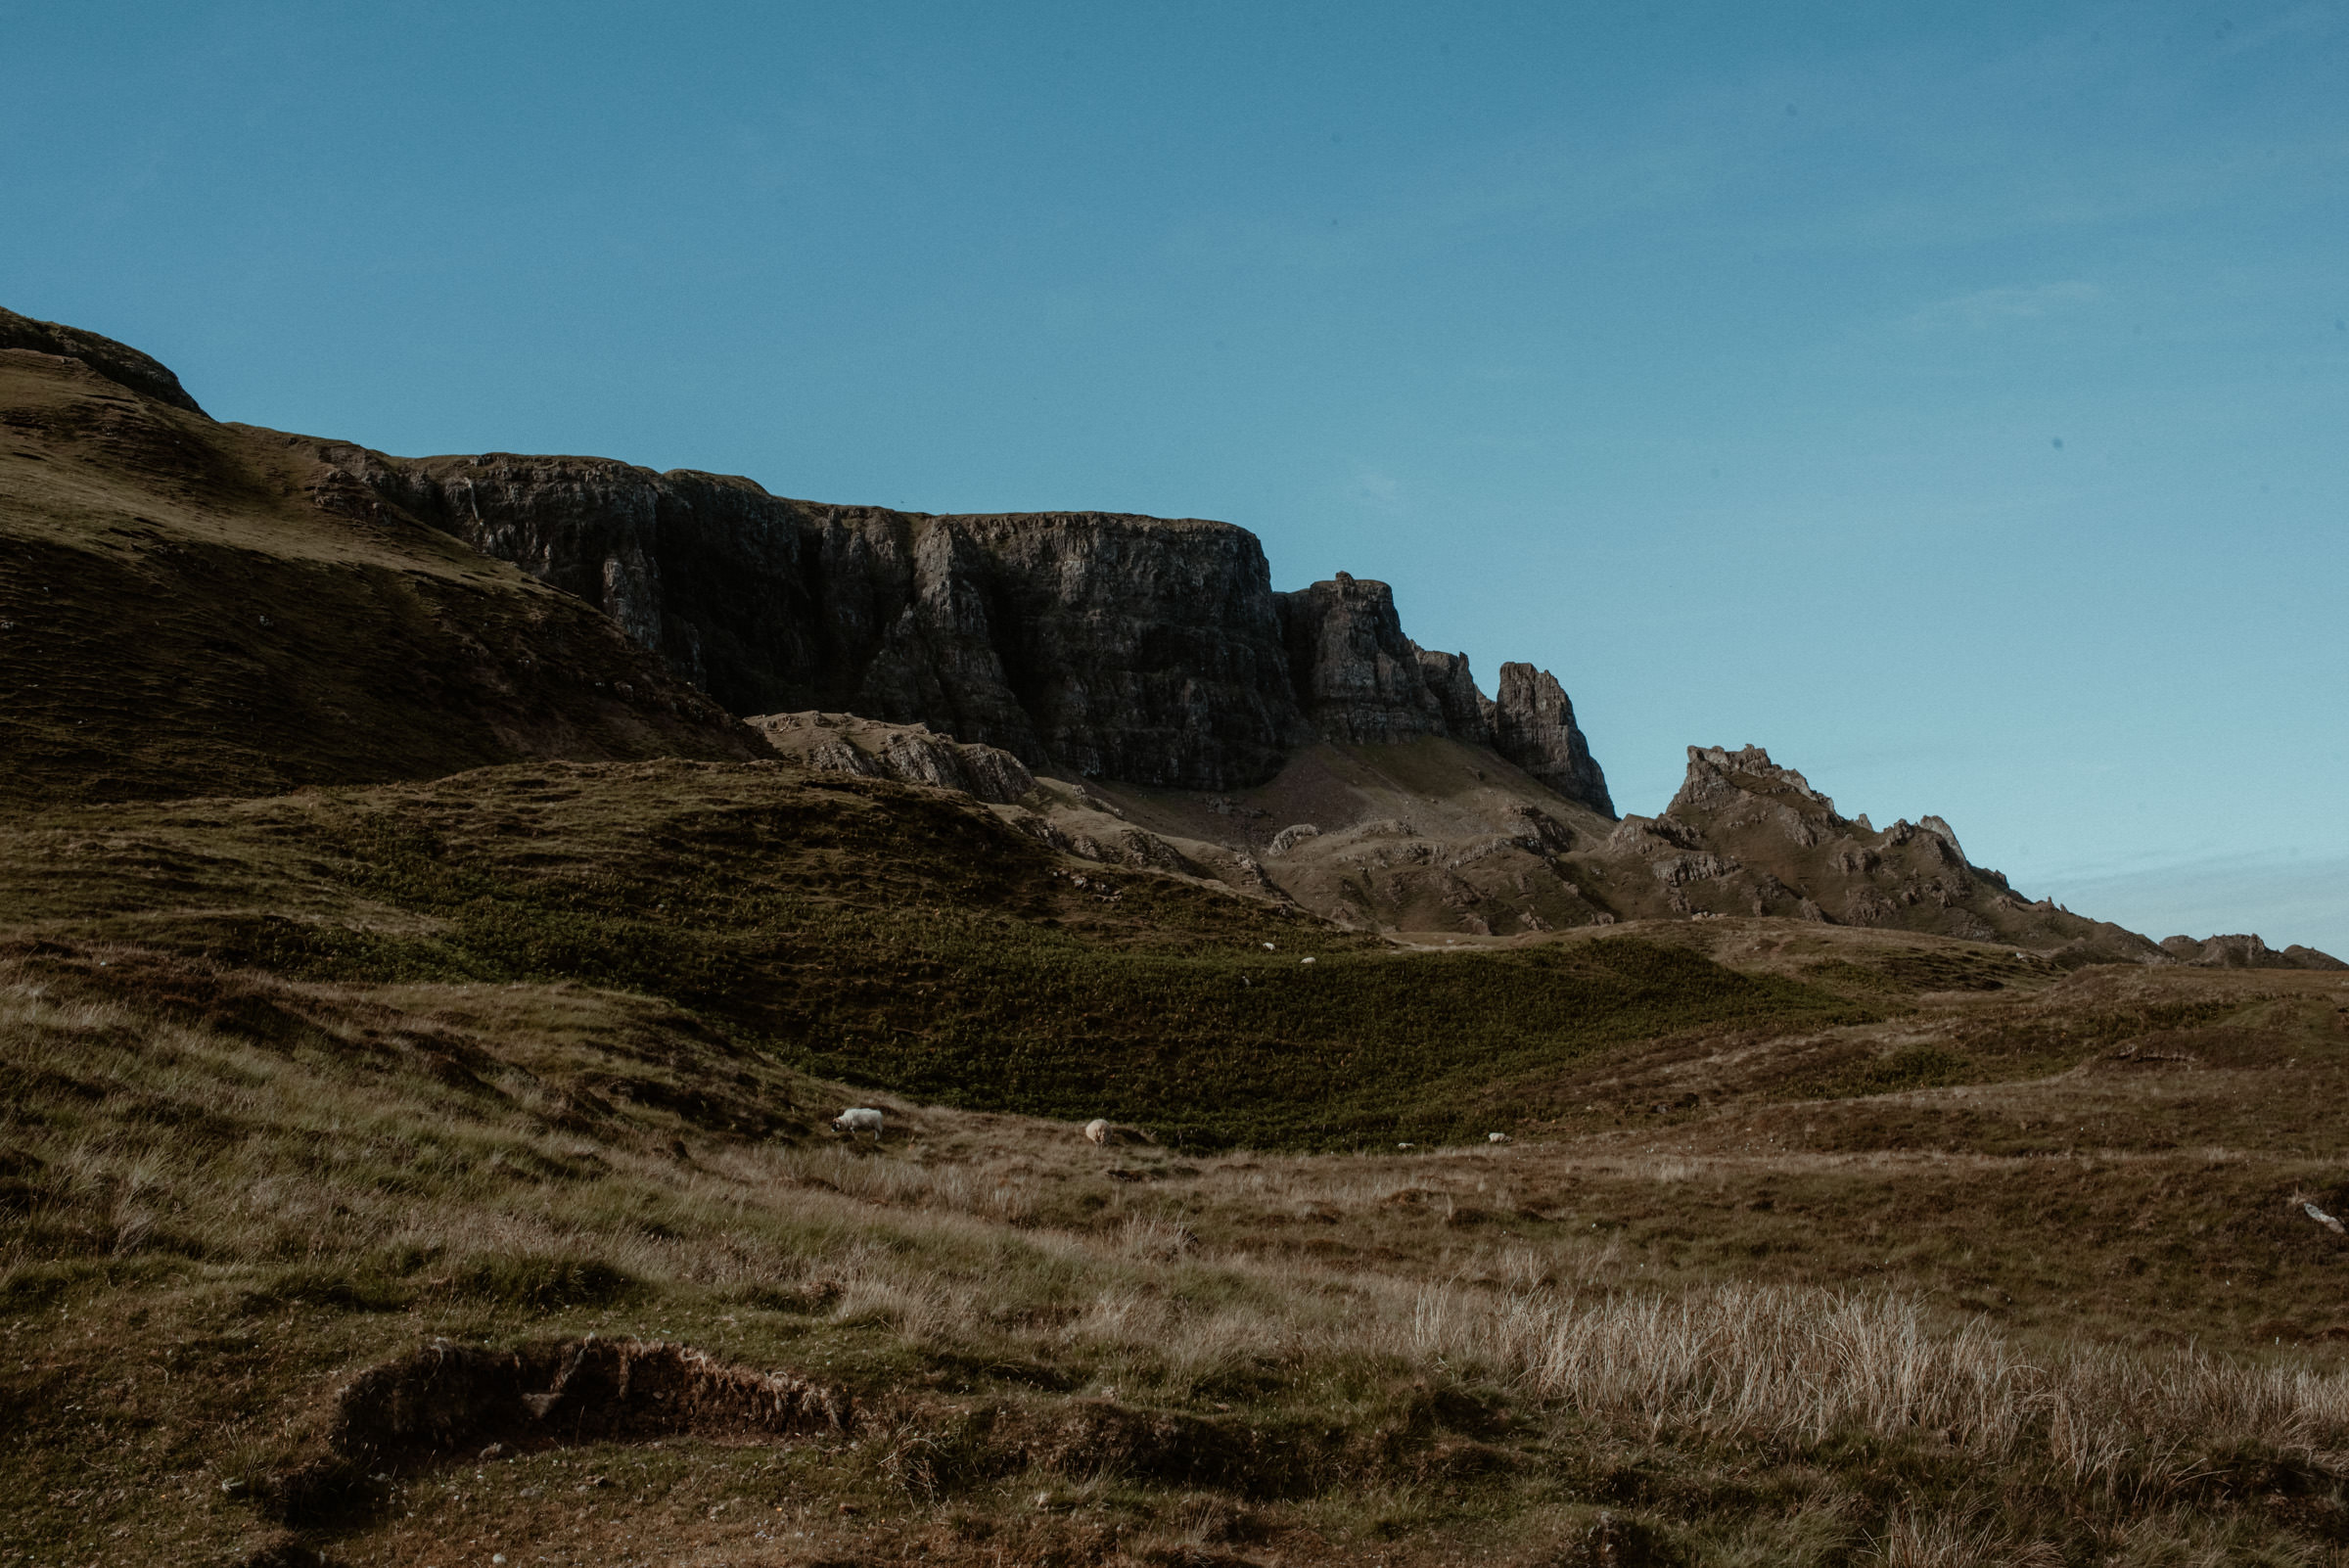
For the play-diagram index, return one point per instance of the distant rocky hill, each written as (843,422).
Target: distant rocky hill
(1434,836)
(2241,952)
(1745,835)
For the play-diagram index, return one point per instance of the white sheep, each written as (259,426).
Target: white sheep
(858,1119)
(1096,1130)
(1497,1137)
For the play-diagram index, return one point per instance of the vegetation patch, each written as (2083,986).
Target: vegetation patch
(895,939)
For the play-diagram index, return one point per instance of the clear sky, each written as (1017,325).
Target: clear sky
(1951,398)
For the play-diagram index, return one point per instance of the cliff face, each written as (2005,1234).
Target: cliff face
(1144,649)
(1147,649)
(1357,675)
(1532,725)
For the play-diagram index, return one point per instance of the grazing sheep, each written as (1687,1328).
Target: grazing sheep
(1096,1130)
(1497,1137)
(858,1119)
(1102,1131)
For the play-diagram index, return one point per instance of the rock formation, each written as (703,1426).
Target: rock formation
(1467,712)
(843,743)
(1135,648)
(1745,835)
(1357,677)
(2241,952)
(1149,651)
(1531,724)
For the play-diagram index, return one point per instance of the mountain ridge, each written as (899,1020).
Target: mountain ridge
(246,610)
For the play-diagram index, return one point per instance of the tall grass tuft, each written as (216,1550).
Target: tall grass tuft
(1798,1367)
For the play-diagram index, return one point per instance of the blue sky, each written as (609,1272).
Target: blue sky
(1951,398)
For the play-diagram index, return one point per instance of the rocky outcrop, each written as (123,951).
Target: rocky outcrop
(1746,836)
(843,743)
(1532,724)
(2242,951)
(1362,682)
(117,362)
(1467,712)
(1144,649)
(1357,677)
(1290,837)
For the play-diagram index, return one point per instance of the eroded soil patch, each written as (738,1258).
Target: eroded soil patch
(450,1402)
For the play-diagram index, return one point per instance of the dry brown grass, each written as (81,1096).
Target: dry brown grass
(1796,1366)
(216,1221)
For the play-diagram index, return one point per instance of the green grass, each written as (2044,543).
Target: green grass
(892,938)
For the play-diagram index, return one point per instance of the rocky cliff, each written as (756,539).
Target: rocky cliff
(1150,651)
(1357,677)
(1532,725)
(1137,648)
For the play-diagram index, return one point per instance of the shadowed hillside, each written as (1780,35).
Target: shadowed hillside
(186,608)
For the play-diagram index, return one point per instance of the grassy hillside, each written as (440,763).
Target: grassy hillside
(2075,1317)
(879,936)
(186,609)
